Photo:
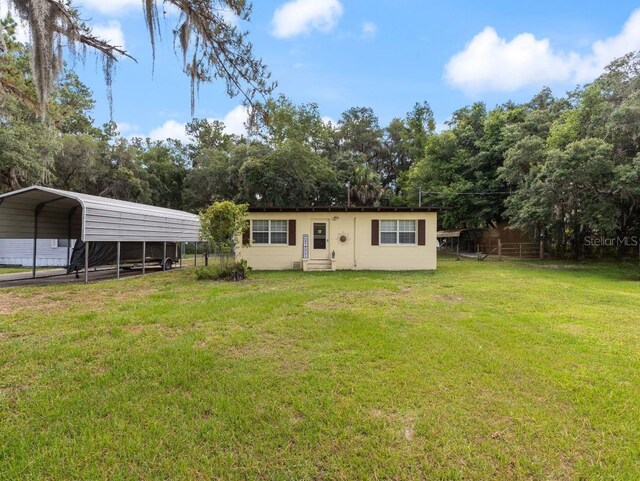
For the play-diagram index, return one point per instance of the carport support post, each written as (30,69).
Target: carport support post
(118,260)
(35,248)
(35,238)
(71,214)
(144,255)
(195,257)
(86,262)
(164,255)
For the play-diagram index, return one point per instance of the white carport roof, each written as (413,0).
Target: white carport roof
(61,214)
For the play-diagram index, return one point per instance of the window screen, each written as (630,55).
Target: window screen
(397,231)
(269,232)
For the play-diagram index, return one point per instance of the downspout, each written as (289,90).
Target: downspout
(355,229)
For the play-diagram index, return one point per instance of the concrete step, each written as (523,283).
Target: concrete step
(318,265)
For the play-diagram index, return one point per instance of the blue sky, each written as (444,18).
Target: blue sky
(386,54)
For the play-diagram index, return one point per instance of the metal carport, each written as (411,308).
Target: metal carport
(40,212)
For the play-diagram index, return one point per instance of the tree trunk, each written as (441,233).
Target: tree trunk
(13,179)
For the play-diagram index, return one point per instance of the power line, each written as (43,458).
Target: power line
(466,193)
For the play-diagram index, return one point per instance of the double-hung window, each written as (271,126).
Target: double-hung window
(397,232)
(55,243)
(269,232)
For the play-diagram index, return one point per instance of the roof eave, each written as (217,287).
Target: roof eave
(347,209)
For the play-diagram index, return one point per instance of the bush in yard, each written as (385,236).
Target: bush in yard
(236,272)
(221,226)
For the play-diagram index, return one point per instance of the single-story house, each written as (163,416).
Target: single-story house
(333,238)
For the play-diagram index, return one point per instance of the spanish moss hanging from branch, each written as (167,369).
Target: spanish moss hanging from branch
(211,46)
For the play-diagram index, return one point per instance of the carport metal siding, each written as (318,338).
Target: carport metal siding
(109,225)
(94,219)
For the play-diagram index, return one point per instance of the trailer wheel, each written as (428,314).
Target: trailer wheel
(168,264)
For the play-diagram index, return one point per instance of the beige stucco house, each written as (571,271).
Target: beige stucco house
(332,238)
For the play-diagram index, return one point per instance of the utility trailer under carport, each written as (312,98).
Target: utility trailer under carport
(40,212)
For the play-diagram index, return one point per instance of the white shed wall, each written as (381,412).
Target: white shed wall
(19,252)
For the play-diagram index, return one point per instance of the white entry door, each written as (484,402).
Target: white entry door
(320,239)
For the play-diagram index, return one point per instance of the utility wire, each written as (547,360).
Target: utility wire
(466,193)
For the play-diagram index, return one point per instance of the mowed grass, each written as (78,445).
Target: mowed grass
(13,270)
(513,370)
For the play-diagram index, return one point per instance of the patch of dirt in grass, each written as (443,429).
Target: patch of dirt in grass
(285,354)
(362,299)
(9,390)
(403,425)
(409,431)
(14,303)
(345,299)
(297,418)
(449,298)
(573,329)
(135,328)
(558,266)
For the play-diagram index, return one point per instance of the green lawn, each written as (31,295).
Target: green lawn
(12,270)
(477,371)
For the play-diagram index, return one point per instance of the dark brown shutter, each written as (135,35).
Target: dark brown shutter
(375,232)
(292,232)
(246,234)
(421,232)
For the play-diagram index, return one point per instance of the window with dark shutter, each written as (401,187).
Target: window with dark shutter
(292,232)
(375,232)
(421,232)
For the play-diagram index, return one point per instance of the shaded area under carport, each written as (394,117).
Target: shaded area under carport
(60,276)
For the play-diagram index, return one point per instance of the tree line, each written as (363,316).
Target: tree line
(559,168)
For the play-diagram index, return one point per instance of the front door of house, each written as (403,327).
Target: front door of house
(319,239)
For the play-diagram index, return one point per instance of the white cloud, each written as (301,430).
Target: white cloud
(108,7)
(234,122)
(126,128)
(298,17)
(229,17)
(171,129)
(111,32)
(603,51)
(490,62)
(328,121)
(369,30)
